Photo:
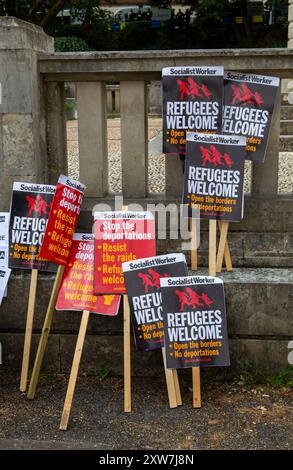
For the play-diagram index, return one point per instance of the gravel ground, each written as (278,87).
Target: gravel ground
(157,160)
(230,418)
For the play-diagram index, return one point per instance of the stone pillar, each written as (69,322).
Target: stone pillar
(134,138)
(23,154)
(92,137)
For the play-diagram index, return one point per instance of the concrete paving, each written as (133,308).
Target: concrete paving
(232,416)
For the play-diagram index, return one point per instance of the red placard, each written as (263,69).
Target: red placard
(120,237)
(62,220)
(76,291)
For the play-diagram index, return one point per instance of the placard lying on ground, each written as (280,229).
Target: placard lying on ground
(195,326)
(120,237)
(4,276)
(29,212)
(63,220)
(192,100)
(248,107)
(77,287)
(142,279)
(214,176)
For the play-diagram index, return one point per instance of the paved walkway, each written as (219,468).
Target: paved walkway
(156,159)
(231,417)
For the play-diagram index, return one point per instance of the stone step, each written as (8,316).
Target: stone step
(286,112)
(286,127)
(286,143)
(259,312)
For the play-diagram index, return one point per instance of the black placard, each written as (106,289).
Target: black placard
(192,100)
(29,212)
(214,176)
(248,108)
(194,317)
(142,279)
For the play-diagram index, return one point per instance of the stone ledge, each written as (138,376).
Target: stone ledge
(107,352)
(259,304)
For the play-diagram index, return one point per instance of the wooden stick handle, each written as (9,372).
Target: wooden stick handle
(45,334)
(127,355)
(28,330)
(170,383)
(177,387)
(74,371)
(193,244)
(196,387)
(212,247)
(223,250)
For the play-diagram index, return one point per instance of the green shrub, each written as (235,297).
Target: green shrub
(71,44)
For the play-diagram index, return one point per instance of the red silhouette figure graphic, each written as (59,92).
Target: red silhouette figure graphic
(183,299)
(194,298)
(156,277)
(207,93)
(258,98)
(146,281)
(206,299)
(191,299)
(245,96)
(194,88)
(236,94)
(183,88)
(227,159)
(205,155)
(213,156)
(37,205)
(216,156)
(152,279)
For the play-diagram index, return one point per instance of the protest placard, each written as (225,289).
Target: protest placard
(76,293)
(76,290)
(120,237)
(29,212)
(195,326)
(56,248)
(142,279)
(4,226)
(214,176)
(192,101)
(62,222)
(249,101)
(4,276)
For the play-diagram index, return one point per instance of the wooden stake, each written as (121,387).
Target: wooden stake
(127,355)
(28,330)
(212,272)
(170,383)
(45,334)
(74,371)
(212,247)
(177,387)
(223,250)
(196,387)
(193,244)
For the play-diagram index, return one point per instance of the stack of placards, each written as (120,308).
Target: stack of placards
(192,115)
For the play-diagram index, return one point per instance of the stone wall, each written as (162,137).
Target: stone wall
(33,148)
(23,153)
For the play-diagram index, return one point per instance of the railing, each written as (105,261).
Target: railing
(133,70)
